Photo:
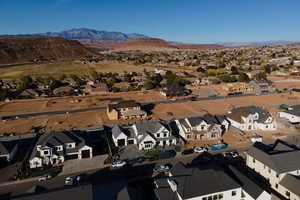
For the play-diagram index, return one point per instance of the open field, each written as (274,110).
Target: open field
(75,68)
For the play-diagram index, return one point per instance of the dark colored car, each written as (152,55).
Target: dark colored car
(187,151)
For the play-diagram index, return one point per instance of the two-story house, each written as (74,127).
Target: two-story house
(54,148)
(292,114)
(125,110)
(251,118)
(145,134)
(207,182)
(278,163)
(202,127)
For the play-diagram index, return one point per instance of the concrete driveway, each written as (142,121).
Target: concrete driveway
(73,166)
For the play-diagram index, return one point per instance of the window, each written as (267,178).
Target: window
(165,135)
(264,166)
(233,193)
(269,170)
(220,196)
(215,197)
(276,186)
(46,152)
(188,136)
(287,193)
(147,146)
(253,160)
(204,198)
(158,135)
(210,198)
(277,175)
(202,127)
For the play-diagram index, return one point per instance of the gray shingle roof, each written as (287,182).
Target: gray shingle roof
(292,183)
(153,126)
(201,180)
(248,185)
(279,158)
(237,113)
(295,110)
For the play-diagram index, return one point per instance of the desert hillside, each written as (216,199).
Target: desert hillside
(146,44)
(17,49)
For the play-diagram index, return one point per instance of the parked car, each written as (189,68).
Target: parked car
(187,151)
(200,149)
(231,154)
(69,181)
(119,163)
(44,177)
(162,168)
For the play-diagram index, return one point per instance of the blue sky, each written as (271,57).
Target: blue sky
(194,21)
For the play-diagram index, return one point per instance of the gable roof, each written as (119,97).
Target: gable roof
(248,185)
(295,110)
(236,114)
(280,157)
(292,183)
(153,126)
(201,180)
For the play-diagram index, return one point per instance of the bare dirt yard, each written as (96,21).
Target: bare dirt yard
(94,118)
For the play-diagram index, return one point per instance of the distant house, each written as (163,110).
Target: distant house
(145,134)
(125,110)
(174,90)
(8,151)
(63,91)
(263,86)
(97,89)
(244,88)
(202,127)
(54,148)
(207,182)
(292,114)
(251,118)
(278,163)
(281,60)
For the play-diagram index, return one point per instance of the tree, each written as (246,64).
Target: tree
(24,82)
(243,77)
(227,78)
(260,76)
(148,85)
(93,74)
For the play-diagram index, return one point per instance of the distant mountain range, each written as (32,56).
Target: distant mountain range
(84,33)
(263,43)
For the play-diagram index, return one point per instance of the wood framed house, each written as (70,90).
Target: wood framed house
(125,110)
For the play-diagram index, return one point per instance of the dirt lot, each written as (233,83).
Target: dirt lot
(92,118)
(64,103)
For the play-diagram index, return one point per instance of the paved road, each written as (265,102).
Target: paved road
(29,115)
(58,112)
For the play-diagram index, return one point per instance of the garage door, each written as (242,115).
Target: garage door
(70,157)
(85,154)
(121,142)
(130,141)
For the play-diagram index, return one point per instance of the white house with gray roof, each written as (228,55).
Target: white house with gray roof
(145,134)
(279,163)
(54,148)
(207,182)
(292,114)
(202,127)
(251,118)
